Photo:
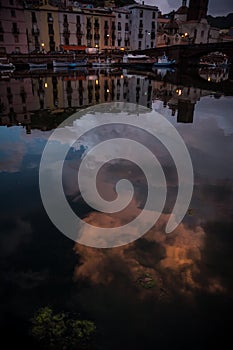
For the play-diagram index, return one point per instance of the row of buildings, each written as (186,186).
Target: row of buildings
(40,25)
(63,24)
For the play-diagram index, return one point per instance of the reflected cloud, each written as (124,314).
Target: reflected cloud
(173,261)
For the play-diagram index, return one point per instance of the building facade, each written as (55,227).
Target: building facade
(143,26)
(188,25)
(49,25)
(13,37)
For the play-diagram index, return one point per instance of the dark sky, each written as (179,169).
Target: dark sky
(216,7)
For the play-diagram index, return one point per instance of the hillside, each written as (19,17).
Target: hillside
(223,22)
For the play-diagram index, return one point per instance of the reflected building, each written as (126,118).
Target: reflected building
(179,99)
(24,98)
(14,101)
(214,75)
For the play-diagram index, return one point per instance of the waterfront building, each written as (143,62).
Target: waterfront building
(42,27)
(13,36)
(122,22)
(143,26)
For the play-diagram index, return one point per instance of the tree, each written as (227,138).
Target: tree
(59,331)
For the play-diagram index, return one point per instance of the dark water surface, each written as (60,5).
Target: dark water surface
(190,303)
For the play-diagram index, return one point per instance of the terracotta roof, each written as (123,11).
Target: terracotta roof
(183,10)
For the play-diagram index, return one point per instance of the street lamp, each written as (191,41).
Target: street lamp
(43,45)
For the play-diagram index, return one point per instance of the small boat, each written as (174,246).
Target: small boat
(6,65)
(140,61)
(101,64)
(163,61)
(74,64)
(37,65)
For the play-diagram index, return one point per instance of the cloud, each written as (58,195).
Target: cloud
(216,7)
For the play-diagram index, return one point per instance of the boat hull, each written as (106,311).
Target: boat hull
(37,66)
(69,64)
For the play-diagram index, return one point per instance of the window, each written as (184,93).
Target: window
(16,38)
(34,17)
(50,18)
(51,29)
(119,15)
(139,45)
(126,27)
(119,42)
(153,15)
(13,13)
(78,19)
(65,18)
(152,44)
(11,2)
(119,26)
(1,37)
(202,33)
(153,25)
(141,24)
(127,16)
(106,41)
(141,13)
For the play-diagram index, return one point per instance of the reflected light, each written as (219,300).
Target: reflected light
(122,76)
(179,92)
(209,79)
(97,82)
(45,85)
(108,90)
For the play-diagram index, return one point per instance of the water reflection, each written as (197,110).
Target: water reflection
(215,75)
(27,99)
(191,268)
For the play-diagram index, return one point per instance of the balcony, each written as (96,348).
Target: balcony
(15,30)
(35,31)
(79,35)
(66,33)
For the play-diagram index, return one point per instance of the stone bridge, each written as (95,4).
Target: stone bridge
(190,54)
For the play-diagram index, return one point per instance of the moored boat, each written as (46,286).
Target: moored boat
(6,65)
(66,64)
(140,61)
(37,65)
(101,64)
(163,61)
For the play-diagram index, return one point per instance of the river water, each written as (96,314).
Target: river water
(160,291)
